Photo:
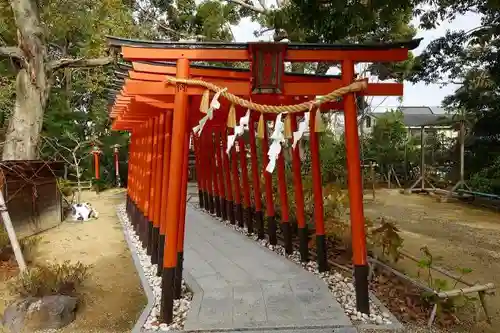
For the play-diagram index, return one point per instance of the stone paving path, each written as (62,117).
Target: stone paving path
(240,285)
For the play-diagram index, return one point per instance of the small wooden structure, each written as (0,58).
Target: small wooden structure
(32,196)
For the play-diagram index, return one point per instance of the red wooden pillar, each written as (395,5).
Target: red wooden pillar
(236,186)
(318,196)
(207,142)
(355,193)
(209,204)
(259,216)
(271,220)
(199,172)
(155,235)
(175,201)
(117,165)
(167,146)
(142,175)
(96,153)
(130,174)
(229,185)
(182,217)
(285,215)
(152,187)
(147,182)
(299,198)
(215,172)
(220,170)
(247,212)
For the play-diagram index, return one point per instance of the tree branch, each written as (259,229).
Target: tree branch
(79,63)
(11,52)
(246,5)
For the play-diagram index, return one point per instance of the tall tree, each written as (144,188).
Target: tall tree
(41,39)
(469,58)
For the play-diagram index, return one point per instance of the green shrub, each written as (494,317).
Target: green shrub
(51,279)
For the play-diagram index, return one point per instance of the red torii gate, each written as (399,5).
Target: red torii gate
(159,110)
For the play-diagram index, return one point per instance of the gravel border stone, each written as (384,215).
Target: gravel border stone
(148,320)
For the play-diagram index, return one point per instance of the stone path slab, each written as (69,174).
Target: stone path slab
(240,285)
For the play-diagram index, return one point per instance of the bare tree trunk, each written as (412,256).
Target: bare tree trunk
(31,86)
(26,122)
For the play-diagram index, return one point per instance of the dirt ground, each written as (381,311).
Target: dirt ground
(464,236)
(112,296)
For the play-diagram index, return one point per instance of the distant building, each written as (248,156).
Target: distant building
(414,117)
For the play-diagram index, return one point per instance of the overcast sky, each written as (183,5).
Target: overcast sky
(414,94)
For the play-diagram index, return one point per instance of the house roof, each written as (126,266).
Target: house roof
(416,116)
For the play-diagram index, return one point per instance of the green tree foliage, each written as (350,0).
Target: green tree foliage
(78,100)
(388,141)
(470,59)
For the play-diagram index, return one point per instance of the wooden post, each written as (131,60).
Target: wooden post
(174,198)
(220,171)
(355,194)
(164,189)
(229,184)
(155,235)
(236,184)
(199,172)
(299,198)
(152,187)
(271,220)
(285,214)
(318,196)
(259,216)
(182,218)
(247,213)
(215,172)
(11,233)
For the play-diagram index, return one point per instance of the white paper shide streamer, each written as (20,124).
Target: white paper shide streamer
(302,128)
(238,131)
(214,105)
(277,139)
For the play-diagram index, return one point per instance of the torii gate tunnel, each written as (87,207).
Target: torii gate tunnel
(163,97)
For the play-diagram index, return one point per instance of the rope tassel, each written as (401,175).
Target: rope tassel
(319,125)
(231,117)
(261,127)
(205,100)
(288,127)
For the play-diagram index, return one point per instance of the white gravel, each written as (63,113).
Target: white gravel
(181,306)
(341,287)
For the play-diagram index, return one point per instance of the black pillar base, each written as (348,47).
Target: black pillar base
(259,221)
(167,295)
(178,275)
(142,229)
(154,245)
(249,214)
(230,212)
(133,218)
(161,247)
(223,208)
(361,288)
(218,211)
(211,204)
(287,237)
(200,198)
(239,215)
(149,238)
(303,244)
(271,230)
(321,253)
(206,204)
